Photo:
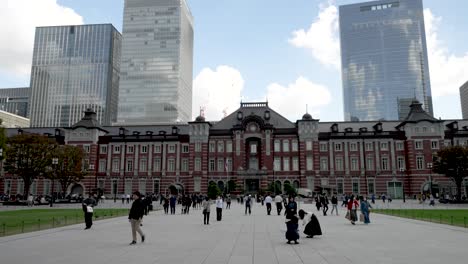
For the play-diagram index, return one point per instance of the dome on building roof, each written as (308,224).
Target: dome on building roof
(307,116)
(200,119)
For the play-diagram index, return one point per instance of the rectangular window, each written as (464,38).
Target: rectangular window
(309,163)
(197,184)
(370,185)
(323,164)
(170,165)
(157,164)
(339,186)
(7,187)
(102,165)
(383,146)
(157,149)
(128,186)
(129,165)
(229,164)
(435,144)
(143,165)
(185,165)
(253,148)
(212,147)
(156,186)
(369,147)
(198,147)
(401,163)
(286,164)
(418,145)
(46,187)
(130,149)
(197,164)
(384,165)
(338,147)
(355,186)
(101,183)
(115,165)
(220,164)
(370,163)
(295,163)
(323,147)
(277,146)
(400,146)
(116,149)
(354,164)
(309,145)
(114,185)
(353,147)
(339,164)
(144,149)
(185,148)
(142,186)
(171,149)
(229,147)
(277,164)
(294,146)
(86,148)
(103,149)
(285,145)
(212,165)
(20,186)
(420,162)
(221,146)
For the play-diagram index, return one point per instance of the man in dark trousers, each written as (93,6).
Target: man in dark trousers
(135,216)
(87,206)
(172,203)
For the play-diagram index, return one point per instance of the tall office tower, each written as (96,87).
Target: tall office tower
(74,68)
(464,100)
(383,59)
(157,62)
(15,100)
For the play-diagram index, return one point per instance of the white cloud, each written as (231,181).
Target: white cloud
(321,39)
(217,91)
(291,101)
(448,71)
(18,19)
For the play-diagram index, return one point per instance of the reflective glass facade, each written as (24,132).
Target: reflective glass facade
(384,59)
(15,100)
(157,62)
(74,68)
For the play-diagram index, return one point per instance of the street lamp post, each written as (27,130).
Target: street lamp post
(54,167)
(429,166)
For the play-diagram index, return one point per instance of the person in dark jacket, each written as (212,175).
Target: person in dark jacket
(87,206)
(311,223)
(292,220)
(135,216)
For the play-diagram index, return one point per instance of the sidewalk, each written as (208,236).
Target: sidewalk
(240,239)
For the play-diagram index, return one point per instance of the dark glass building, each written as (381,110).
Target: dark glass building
(15,100)
(74,68)
(384,59)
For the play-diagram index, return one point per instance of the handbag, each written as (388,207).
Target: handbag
(204,211)
(348,216)
(89,209)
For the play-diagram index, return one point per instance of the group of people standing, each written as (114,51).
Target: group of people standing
(353,205)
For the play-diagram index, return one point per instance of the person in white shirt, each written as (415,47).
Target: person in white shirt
(219,208)
(279,203)
(268,201)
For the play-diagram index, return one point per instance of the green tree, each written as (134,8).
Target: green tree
(28,157)
(213,190)
(274,187)
(289,189)
(69,168)
(232,186)
(453,163)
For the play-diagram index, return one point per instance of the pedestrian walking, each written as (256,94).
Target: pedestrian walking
(219,208)
(248,204)
(324,202)
(166,205)
(228,202)
(312,225)
(206,204)
(88,210)
(268,201)
(318,202)
(172,203)
(334,201)
(353,204)
(279,203)
(135,216)
(365,210)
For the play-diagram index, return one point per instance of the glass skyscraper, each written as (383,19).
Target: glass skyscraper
(74,68)
(384,59)
(157,62)
(15,100)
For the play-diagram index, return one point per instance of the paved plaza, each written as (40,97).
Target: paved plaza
(242,239)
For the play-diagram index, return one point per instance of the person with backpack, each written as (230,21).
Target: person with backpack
(248,204)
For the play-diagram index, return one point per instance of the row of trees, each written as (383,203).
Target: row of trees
(30,156)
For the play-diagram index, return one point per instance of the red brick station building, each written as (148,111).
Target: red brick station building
(255,146)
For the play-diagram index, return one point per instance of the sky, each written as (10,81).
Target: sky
(283,52)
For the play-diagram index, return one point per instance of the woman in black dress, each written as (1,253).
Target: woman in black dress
(312,225)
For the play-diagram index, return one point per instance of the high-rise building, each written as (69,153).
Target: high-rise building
(157,62)
(15,100)
(384,59)
(74,68)
(464,100)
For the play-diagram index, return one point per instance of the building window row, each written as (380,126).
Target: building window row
(285,143)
